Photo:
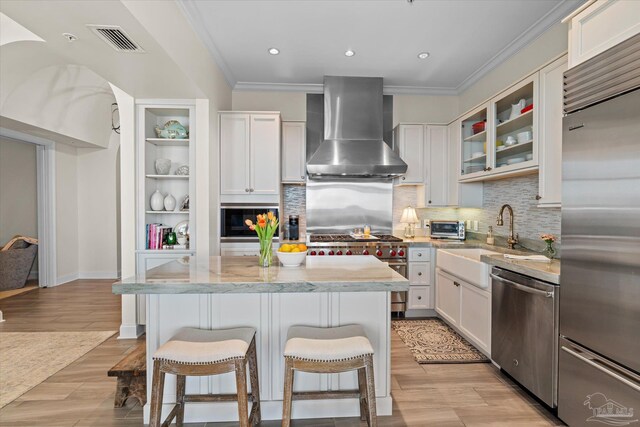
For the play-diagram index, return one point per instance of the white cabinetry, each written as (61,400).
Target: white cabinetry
(437,167)
(601,25)
(249,155)
(420,274)
(293,152)
(411,142)
(466,308)
(550,141)
(469,195)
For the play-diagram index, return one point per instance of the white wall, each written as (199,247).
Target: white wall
(424,109)
(98,210)
(66,213)
(545,48)
(292,105)
(18,191)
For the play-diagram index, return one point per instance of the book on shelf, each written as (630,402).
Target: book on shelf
(156,235)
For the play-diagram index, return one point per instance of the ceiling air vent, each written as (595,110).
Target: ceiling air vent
(115,37)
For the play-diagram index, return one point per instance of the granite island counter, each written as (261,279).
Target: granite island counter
(227,292)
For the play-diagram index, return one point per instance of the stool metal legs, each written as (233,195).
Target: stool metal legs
(239,366)
(366,387)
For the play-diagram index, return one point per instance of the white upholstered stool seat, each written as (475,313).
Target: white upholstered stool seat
(327,344)
(202,346)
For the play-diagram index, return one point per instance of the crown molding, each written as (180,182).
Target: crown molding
(420,90)
(279,87)
(190,11)
(555,15)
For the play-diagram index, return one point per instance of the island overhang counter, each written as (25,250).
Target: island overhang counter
(227,292)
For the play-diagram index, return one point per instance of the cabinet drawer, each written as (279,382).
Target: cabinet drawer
(419,273)
(419,254)
(419,297)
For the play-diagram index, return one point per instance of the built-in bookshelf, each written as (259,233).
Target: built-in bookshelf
(153,224)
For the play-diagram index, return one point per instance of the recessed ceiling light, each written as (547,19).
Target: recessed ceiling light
(274,51)
(349,53)
(423,55)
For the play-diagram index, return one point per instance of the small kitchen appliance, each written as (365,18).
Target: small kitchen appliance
(443,229)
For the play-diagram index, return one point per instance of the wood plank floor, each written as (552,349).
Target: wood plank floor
(82,395)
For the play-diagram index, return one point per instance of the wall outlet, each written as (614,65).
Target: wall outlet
(425,223)
(475,225)
(468,224)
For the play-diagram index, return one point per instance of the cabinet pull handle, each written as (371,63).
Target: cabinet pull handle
(456,283)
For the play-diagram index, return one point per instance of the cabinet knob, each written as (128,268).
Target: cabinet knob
(456,283)
(246,190)
(302,176)
(251,190)
(429,201)
(538,197)
(419,253)
(419,297)
(515,362)
(404,177)
(489,168)
(420,273)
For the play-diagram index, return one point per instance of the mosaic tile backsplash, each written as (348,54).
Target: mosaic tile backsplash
(519,192)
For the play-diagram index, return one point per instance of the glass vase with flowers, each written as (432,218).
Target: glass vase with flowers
(265,227)
(550,252)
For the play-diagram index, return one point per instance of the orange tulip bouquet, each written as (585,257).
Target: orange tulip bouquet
(265,228)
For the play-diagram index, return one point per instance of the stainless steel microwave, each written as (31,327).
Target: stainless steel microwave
(440,229)
(232,220)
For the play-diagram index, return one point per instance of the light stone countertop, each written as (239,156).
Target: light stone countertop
(243,275)
(546,271)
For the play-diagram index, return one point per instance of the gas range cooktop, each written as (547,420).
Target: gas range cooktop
(346,238)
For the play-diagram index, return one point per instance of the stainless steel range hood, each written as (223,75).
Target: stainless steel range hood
(353,143)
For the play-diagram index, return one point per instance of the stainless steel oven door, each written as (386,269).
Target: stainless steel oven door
(399,299)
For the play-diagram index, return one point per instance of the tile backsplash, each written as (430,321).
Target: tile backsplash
(519,192)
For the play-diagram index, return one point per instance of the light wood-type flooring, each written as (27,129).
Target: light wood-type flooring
(82,395)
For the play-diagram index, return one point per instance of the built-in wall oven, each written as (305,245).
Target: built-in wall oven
(232,221)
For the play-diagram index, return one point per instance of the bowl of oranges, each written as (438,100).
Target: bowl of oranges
(292,254)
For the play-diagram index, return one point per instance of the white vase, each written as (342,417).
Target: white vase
(169,203)
(157,201)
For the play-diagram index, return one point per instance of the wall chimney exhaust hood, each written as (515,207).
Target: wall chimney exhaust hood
(353,143)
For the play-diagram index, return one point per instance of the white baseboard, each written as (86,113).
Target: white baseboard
(130,332)
(98,275)
(66,279)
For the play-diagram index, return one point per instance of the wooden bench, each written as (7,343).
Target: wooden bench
(132,377)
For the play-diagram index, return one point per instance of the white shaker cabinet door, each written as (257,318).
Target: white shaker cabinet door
(448,298)
(412,144)
(234,153)
(550,140)
(437,167)
(475,315)
(293,152)
(265,154)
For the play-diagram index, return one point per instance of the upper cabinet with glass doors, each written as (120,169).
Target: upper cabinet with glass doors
(499,139)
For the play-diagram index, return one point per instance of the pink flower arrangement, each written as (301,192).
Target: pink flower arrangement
(549,238)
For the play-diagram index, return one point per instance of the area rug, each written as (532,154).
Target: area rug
(432,341)
(29,358)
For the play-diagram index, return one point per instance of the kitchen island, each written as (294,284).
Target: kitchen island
(227,292)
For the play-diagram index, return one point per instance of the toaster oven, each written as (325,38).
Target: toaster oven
(453,230)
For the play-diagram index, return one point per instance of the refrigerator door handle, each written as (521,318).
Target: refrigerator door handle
(523,287)
(614,375)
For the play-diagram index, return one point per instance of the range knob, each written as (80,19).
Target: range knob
(339,253)
(379,252)
(393,252)
(331,253)
(400,252)
(349,252)
(312,253)
(365,252)
(321,253)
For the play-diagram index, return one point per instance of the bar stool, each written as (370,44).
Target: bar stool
(330,351)
(199,352)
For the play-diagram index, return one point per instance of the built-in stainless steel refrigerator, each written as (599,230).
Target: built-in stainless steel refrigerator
(599,351)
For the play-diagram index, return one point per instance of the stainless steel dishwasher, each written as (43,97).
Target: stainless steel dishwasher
(524,331)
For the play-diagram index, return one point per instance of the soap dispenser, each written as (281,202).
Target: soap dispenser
(490,239)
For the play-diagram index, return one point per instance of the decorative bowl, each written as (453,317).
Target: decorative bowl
(172,130)
(182,170)
(291,259)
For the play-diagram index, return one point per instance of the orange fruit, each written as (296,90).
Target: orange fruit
(302,247)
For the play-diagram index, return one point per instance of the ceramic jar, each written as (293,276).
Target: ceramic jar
(163,166)
(157,201)
(169,203)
